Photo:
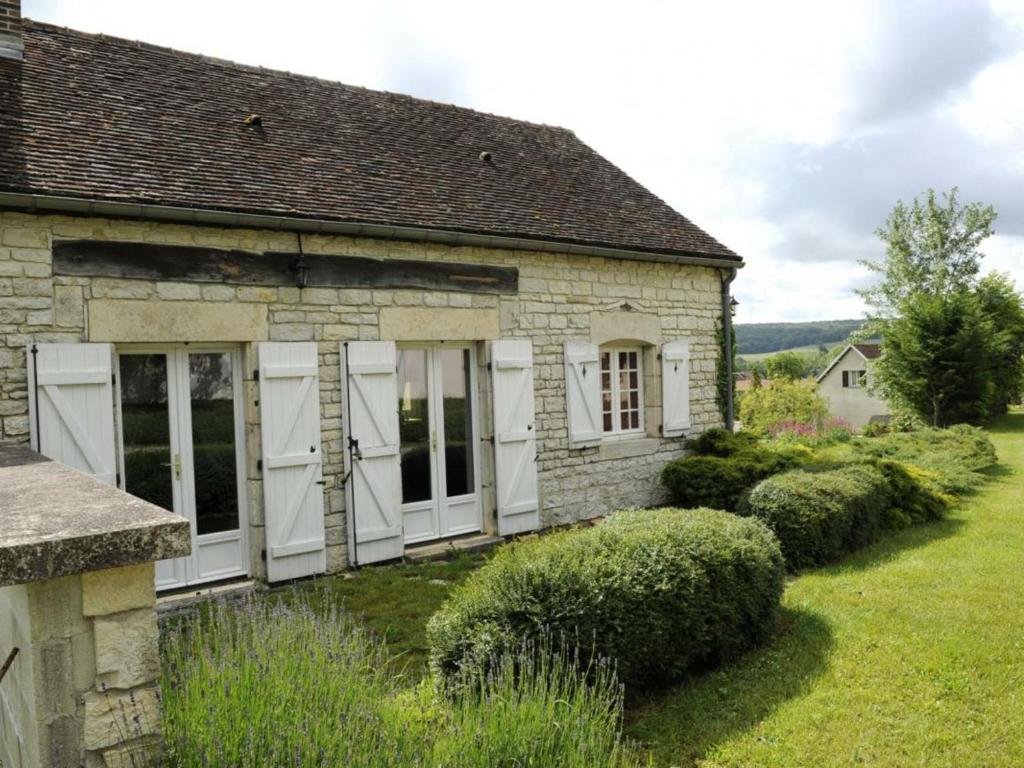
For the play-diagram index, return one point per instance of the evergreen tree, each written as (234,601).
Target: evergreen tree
(934,362)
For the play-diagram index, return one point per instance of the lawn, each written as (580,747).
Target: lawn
(909,653)
(395,601)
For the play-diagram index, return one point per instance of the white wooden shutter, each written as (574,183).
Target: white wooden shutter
(71,406)
(375,473)
(515,439)
(583,393)
(292,460)
(675,387)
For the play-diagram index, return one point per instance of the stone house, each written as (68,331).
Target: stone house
(325,323)
(845,385)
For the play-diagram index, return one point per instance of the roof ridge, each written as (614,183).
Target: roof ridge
(257,68)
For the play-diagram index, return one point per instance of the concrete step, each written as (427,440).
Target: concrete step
(438,550)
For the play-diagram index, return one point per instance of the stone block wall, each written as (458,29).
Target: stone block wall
(83,689)
(558,296)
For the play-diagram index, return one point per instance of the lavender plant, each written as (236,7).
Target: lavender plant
(299,683)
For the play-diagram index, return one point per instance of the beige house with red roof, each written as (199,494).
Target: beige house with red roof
(846,386)
(329,325)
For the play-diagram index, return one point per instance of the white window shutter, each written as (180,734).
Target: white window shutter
(71,406)
(675,388)
(375,472)
(515,439)
(292,459)
(583,393)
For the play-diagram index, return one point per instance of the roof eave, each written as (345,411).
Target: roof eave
(38,203)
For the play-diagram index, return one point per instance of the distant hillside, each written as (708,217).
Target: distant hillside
(758,338)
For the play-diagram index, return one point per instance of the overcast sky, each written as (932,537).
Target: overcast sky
(785,129)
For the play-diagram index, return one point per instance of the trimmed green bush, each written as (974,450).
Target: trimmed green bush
(954,458)
(818,516)
(717,482)
(654,590)
(721,442)
(725,467)
(913,494)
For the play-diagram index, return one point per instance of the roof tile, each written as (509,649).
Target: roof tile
(97,117)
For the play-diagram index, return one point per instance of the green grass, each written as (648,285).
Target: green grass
(910,653)
(759,357)
(395,601)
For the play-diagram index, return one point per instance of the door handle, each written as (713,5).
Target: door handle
(176,464)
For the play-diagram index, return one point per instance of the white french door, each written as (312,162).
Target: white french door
(438,428)
(182,448)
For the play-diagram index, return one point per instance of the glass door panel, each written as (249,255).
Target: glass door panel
(211,392)
(458,421)
(414,426)
(146,429)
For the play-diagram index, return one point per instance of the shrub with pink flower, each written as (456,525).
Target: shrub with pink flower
(830,429)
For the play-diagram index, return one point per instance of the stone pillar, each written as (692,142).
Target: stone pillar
(77,601)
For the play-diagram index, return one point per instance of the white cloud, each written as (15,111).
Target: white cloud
(787,130)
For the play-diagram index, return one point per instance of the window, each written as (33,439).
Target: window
(622,399)
(854,379)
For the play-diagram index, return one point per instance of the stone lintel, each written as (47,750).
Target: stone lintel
(149,320)
(438,324)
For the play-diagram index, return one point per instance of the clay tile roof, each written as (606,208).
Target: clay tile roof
(101,118)
(869,350)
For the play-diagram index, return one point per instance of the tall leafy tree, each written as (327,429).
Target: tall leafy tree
(948,353)
(931,248)
(1003,309)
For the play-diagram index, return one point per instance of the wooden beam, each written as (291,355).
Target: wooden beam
(147,261)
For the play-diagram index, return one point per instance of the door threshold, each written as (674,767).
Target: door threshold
(186,597)
(438,550)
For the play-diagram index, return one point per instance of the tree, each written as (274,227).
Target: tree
(935,363)
(789,366)
(947,353)
(930,248)
(1004,310)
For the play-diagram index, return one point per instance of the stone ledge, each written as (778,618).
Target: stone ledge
(56,521)
(628,449)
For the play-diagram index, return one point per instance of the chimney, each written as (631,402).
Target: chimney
(11,46)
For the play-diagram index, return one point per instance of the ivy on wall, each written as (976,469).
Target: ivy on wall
(723,380)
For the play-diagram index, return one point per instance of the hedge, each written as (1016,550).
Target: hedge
(953,459)
(818,516)
(655,591)
(725,467)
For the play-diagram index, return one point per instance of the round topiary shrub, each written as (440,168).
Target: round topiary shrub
(654,590)
(818,516)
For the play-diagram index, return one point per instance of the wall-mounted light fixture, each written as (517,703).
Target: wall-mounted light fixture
(300,267)
(732,306)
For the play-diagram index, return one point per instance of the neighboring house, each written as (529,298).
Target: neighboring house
(325,323)
(845,386)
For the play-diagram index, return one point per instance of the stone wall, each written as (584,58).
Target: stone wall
(83,688)
(559,295)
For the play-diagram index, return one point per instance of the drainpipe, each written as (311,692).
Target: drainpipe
(728,275)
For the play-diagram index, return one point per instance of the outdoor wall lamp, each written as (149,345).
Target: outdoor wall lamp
(301,270)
